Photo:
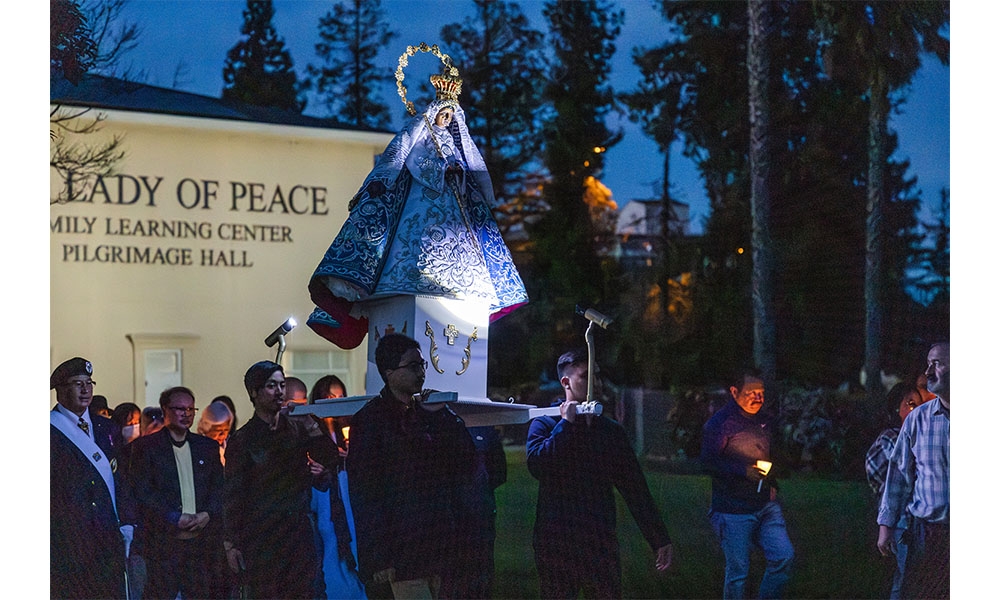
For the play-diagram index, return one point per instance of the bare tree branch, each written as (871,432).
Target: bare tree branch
(79,164)
(113,37)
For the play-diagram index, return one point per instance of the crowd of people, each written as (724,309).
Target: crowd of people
(144,507)
(291,506)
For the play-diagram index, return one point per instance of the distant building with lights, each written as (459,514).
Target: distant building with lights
(639,229)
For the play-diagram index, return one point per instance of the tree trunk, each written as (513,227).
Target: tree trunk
(666,219)
(758,65)
(878,114)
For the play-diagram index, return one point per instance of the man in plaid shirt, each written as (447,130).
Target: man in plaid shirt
(917,487)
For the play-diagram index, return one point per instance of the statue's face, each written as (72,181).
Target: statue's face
(444,117)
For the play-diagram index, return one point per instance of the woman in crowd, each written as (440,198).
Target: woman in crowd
(332,508)
(126,417)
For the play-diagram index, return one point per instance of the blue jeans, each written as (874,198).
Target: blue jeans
(901,550)
(739,533)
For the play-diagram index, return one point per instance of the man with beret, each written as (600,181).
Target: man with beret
(88,545)
(268,489)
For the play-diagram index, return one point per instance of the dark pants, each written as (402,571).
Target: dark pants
(185,567)
(928,561)
(89,565)
(562,574)
(281,559)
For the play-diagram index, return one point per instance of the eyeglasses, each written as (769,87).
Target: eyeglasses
(184,410)
(89,383)
(415,365)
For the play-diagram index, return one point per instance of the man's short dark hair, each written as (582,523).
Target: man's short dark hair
(295,382)
(741,376)
(391,349)
(98,403)
(169,392)
(572,357)
(258,374)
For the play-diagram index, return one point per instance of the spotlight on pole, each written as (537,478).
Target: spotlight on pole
(278,337)
(601,321)
(594,317)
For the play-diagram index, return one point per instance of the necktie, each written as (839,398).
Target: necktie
(83,425)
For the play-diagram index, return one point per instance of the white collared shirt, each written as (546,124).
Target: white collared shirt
(76,419)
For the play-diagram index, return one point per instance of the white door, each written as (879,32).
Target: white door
(163,370)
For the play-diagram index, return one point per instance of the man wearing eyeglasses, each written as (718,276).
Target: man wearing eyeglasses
(268,490)
(177,483)
(87,541)
(407,466)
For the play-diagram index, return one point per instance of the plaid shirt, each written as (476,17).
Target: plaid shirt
(919,467)
(877,459)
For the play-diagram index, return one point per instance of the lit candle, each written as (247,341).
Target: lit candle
(764,466)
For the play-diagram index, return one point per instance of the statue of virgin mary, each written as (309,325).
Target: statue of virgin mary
(421,224)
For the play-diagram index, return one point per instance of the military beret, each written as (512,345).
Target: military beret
(258,373)
(70,368)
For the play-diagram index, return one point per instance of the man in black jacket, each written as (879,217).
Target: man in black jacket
(578,461)
(268,490)
(408,465)
(177,479)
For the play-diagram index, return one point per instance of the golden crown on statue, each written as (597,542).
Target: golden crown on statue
(446,87)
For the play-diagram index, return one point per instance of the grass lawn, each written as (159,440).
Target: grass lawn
(831,525)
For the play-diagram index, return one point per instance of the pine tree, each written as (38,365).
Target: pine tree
(939,259)
(694,89)
(502,63)
(503,67)
(934,262)
(347,81)
(567,269)
(259,68)
(698,83)
(880,43)
(72,50)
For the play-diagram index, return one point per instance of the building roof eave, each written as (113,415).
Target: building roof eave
(132,102)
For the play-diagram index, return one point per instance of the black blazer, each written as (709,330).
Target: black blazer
(87,552)
(157,492)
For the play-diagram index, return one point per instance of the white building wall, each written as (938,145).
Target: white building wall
(217,311)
